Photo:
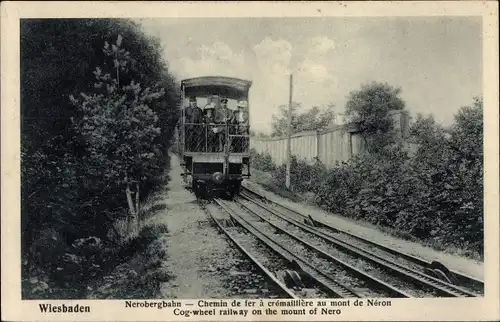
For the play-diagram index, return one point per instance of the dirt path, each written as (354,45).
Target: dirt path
(197,255)
(461,264)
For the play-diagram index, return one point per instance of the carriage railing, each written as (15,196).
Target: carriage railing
(214,138)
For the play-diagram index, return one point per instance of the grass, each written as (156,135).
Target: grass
(142,271)
(266,181)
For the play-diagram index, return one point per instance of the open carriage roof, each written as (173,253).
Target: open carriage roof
(229,87)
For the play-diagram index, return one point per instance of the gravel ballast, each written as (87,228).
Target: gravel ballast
(461,264)
(356,262)
(335,271)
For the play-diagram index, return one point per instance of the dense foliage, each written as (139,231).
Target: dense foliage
(98,109)
(263,162)
(311,120)
(435,196)
(303,175)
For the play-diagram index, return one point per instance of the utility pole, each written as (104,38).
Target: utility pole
(289,143)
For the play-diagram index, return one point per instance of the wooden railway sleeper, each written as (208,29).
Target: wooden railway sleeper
(442,286)
(391,289)
(334,288)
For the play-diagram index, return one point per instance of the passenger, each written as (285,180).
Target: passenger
(243,117)
(210,130)
(198,132)
(188,110)
(197,114)
(223,114)
(188,128)
(239,113)
(209,113)
(233,122)
(243,128)
(233,130)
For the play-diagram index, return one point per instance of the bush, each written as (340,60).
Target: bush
(78,156)
(435,196)
(262,162)
(141,276)
(66,270)
(303,175)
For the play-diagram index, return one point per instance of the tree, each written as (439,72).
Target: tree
(313,119)
(118,127)
(367,110)
(448,166)
(316,118)
(466,164)
(57,59)
(467,131)
(431,139)
(260,134)
(77,159)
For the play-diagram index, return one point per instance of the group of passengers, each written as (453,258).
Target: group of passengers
(217,117)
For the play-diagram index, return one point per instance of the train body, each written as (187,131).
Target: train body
(214,134)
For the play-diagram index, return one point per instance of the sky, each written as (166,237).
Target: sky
(436,61)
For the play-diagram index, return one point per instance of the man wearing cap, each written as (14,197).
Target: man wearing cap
(223,114)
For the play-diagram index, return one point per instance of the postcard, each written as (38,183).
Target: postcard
(250,161)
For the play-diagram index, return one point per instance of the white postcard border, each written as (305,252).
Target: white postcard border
(13,308)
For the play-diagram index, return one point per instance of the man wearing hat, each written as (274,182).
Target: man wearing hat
(242,113)
(188,110)
(188,113)
(241,126)
(195,134)
(212,130)
(197,114)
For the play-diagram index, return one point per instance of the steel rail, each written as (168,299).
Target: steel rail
(280,285)
(393,291)
(423,279)
(333,287)
(462,278)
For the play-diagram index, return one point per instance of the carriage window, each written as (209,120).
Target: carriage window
(232,104)
(202,101)
(188,101)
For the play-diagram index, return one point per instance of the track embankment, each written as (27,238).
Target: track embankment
(457,263)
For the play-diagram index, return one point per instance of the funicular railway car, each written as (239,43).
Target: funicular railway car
(215,134)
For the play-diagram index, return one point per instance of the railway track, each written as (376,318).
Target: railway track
(293,268)
(313,268)
(280,288)
(432,276)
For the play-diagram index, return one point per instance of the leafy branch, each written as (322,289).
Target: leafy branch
(118,126)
